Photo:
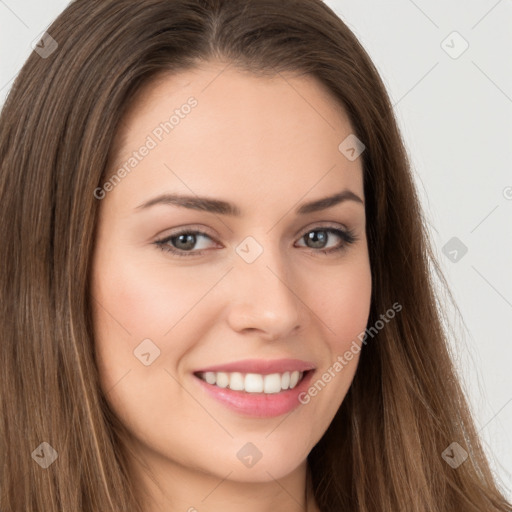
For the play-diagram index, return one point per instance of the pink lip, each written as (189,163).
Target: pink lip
(261,366)
(258,405)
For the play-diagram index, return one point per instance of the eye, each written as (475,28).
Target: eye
(184,242)
(318,239)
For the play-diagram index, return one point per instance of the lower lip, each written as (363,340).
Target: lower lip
(259,405)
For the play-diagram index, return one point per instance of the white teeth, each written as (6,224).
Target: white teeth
(272,383)
(294,378)
(285,380)
(253,382)
(210,377)
(236,381)
(222,380)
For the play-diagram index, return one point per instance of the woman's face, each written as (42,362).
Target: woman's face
(252,299)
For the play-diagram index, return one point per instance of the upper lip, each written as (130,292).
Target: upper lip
(261,366)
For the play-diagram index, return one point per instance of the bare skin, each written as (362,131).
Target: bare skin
(267,145)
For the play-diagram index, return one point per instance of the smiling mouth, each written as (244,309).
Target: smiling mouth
(253,382)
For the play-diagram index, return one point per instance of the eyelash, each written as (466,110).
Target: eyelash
(348,236)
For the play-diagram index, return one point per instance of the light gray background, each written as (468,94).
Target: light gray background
(456,118)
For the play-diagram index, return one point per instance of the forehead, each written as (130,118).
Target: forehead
(215,126)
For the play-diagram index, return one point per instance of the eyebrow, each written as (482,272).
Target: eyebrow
(221,207)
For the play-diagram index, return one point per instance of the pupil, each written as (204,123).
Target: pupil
(319,241)
(183,238)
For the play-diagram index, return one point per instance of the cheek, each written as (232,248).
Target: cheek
(134,301)
(343,303)
(147,300)
(343,310)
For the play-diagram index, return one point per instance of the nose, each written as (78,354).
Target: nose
(263,299)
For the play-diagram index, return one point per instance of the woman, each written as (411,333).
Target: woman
(291,362)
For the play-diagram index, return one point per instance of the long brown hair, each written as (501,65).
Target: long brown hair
(383,450)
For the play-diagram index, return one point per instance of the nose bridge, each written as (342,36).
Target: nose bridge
(265,298)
